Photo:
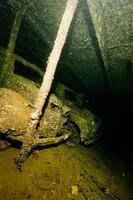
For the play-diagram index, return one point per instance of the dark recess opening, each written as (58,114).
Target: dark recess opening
(27,72)
(117,127)
(31,45)
(6,19)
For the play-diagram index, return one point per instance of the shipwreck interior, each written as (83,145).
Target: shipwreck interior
(66,133)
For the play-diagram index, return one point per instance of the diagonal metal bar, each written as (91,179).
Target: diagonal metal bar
(92,31)
(54,57)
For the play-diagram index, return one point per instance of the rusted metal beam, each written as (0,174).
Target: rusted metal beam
(8,66)
(28,64)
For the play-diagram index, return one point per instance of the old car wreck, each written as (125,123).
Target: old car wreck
(57,124)
(53,127)
(65,78)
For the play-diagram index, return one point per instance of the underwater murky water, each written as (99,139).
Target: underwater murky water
(63,173)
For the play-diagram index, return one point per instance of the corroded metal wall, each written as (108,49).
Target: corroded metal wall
(98,52)
(114,28)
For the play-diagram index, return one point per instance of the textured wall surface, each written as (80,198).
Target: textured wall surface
(114,28)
